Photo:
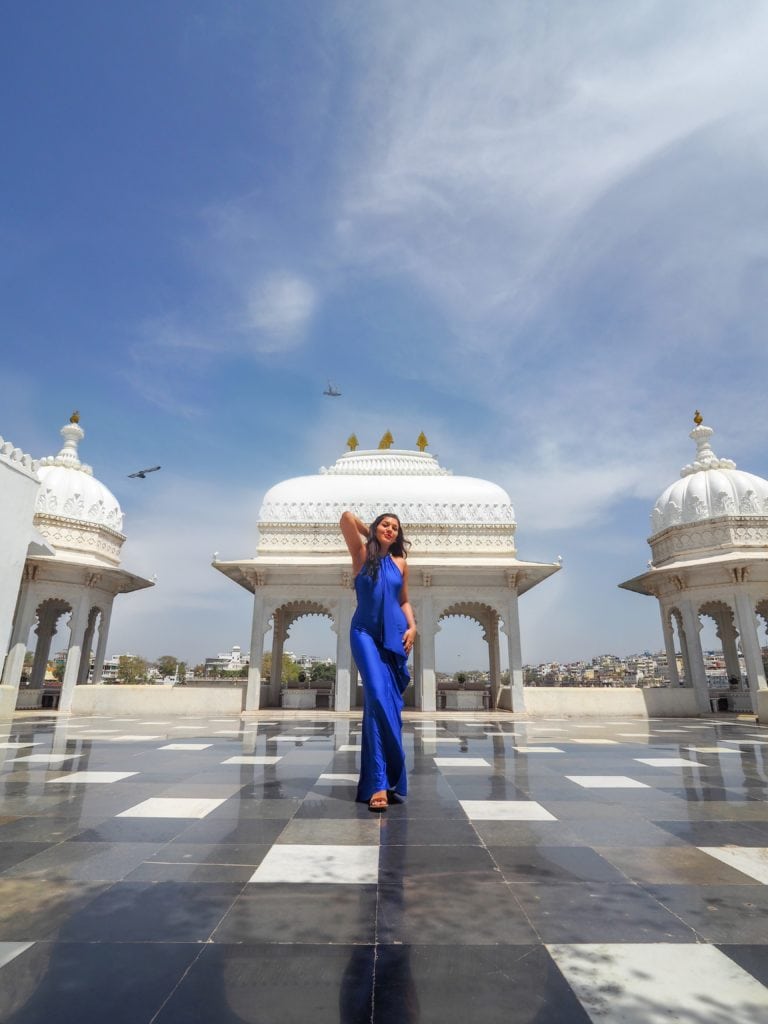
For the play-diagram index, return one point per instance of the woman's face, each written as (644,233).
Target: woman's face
(387,531)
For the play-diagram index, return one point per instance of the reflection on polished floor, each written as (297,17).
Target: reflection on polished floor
(179,871)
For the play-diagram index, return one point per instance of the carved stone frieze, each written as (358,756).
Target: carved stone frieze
(713,535)
(411,513)
(73,535)
(287,537)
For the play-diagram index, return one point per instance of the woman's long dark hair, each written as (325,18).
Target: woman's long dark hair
(399,546)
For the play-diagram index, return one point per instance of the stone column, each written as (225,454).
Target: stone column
(278,642)
(415,700)
(494,659)
(259,626)
(85,660)
(750,645)
(512,698)
(46,631)
(22,623)
(698,676)
(726,631)
(101,647)
(78,622)
(669,647)
(427,629)
(343,696)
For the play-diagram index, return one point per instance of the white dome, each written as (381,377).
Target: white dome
(412,484)
(69,489)
(709,488)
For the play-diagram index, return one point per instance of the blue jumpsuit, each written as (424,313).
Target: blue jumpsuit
(377,646)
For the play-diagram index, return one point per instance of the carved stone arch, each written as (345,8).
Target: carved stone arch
(720,611)
(483,614)
(292,611)
(761,609)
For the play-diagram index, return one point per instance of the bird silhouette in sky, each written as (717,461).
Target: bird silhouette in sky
(141,474)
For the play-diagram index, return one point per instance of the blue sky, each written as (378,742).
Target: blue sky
(536,231)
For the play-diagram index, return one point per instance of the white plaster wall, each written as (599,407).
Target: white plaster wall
(18,491)
(156,700)
(7,701)
(586,702)
(762,707)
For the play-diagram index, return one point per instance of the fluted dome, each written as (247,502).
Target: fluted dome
(709,488)
(300,512)
(75,511)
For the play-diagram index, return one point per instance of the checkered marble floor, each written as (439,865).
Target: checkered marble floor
(558,871)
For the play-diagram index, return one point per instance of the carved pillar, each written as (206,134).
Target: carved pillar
(46,630)
(77,626)
(413,694)
(669,646)
(494,659)
(85,660)
(276,672)
(687,677)
(692,628)
(22,623)
(513,697)
(101,647)
(343,696)
(750,644)
(427,630)
(726,631)
(259,626)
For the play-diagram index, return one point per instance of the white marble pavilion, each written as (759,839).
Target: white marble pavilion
(72,578)
(709,557)
(463,562)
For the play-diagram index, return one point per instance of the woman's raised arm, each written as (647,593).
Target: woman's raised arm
(355,534)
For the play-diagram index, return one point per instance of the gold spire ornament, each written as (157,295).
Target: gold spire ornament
(698,419)
(387,441)
(352,442)
(421,441)
(75,417)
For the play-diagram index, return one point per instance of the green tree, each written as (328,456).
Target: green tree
(132,669)
(166,665)
(321,672)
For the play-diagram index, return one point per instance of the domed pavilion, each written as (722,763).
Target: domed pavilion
(463,562)
(709,556)
(81,521)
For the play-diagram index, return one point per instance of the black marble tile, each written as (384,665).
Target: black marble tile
(552,864)
(423,984)
(290,984)
(718,833)
(232,830)
(30,910)
(132,830)
(398,862)
(14,853)
(73,983)
(599,912)
(752,958)
(452,909)
(400,831)
(297,913)
(719,913)
(153,912)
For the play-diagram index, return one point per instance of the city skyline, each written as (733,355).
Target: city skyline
(534,231)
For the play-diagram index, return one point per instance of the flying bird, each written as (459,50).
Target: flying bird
(332,391)
(143,472)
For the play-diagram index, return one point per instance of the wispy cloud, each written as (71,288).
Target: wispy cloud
(278,310)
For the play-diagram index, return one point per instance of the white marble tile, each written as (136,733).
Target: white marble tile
(98,732)
(751,860)
(538,750)
(353,865)
(634,735)
(443,739)
(606,782)
(593,741)
(10,745)
(713,750)
(172,807)
(227,732)
(310,728)
(429,728)
(87,777)
(283,738)
(505,810)
(185,746)
(748,743)
(646,983)
(189,728)
(461,762)
(45,758)
(669,762)
(133,738)
(252,759)
(337,778)
(10,950)
(349,747)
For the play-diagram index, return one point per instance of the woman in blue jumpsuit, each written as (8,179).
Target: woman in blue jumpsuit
(382,635)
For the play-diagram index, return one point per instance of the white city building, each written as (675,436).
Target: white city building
(709,557)
(463,562)
(75,576)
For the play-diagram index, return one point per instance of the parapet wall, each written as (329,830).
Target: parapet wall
(596,702)
(156,700)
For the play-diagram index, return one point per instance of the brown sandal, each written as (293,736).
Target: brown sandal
(378,802)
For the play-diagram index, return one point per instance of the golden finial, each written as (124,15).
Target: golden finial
(421,441)
(698,419)
(387,441)
(75,417)
(352,442)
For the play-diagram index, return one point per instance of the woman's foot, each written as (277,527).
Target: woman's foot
(378,801)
